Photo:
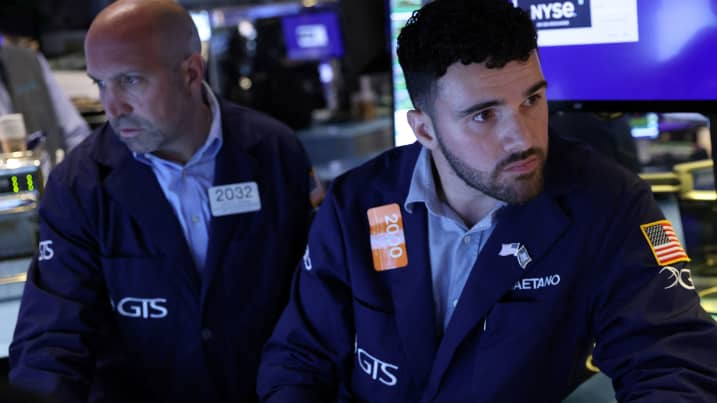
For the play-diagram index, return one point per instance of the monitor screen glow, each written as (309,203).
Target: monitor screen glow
(312,36)
(609,55)
(627,50)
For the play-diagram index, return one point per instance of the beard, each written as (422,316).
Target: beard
(148,140)
(513,190)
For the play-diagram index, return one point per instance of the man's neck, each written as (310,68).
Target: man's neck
(197,132)
(201,128)
(470,204)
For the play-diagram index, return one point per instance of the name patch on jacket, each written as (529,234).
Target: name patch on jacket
(388,245)
(236,198)
(536,283)
(663,242)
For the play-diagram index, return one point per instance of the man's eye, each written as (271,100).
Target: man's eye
(483,116)
(99,83)
(532,100)
(130,80)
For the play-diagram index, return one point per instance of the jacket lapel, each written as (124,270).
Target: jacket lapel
(412,294)
(411,286)
(134,186)
(233,166)
(536,225)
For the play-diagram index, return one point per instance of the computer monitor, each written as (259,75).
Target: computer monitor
(627,55)
(312,36)
(609,55)
(644,125)
(399,12)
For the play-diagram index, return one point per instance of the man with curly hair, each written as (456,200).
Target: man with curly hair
(482,263)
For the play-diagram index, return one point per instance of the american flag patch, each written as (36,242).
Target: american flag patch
(664,243)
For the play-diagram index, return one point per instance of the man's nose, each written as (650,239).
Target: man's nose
(515,135)
(115,104)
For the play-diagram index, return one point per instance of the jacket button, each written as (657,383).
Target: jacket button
(206,334)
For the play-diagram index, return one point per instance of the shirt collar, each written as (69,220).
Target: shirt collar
(212,144)
(422,189)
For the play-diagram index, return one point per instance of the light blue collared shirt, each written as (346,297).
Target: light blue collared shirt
(187,186)
(452,246)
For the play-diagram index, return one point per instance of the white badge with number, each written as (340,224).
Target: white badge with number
(236,198)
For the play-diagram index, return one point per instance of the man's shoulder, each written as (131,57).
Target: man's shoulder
(254,127)
(389,172)
(579,172)
(89,162)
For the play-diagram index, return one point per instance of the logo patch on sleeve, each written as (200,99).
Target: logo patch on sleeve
(663,241)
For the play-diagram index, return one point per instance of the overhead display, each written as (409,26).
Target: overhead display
(627,50)
(609,55)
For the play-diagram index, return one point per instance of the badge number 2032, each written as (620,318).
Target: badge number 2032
(388,244)
(236,198)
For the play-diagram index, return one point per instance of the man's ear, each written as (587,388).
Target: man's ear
(422,126)
(194,71)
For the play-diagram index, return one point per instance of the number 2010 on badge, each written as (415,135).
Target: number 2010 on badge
(388,244)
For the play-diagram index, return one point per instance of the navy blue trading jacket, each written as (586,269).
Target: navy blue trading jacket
(517,334)
(114,309)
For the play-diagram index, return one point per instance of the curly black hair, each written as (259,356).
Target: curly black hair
(444,32)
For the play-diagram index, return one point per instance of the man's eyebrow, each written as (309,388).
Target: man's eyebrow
(479,106)
(115,76)
(487,104)
(536,87)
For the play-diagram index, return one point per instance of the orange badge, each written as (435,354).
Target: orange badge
(388,245)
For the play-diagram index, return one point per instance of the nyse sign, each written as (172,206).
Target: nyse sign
(551,14)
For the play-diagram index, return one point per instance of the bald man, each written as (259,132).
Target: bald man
(168,238)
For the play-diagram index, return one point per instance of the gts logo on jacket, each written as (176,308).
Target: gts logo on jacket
(45,251)
(145,308)
(378,370)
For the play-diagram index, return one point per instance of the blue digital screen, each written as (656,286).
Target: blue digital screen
(312,36)
(627,50)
